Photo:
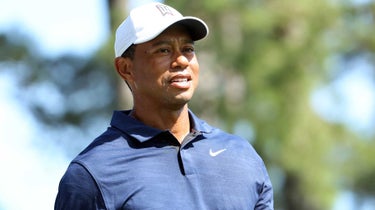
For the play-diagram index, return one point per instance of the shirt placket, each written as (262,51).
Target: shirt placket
(186,157)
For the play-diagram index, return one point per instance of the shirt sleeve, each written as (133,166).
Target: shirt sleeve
(78,191)
(265,201)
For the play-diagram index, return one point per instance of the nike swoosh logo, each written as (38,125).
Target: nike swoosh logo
(213,154)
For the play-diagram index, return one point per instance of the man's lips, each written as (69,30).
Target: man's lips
(181,81)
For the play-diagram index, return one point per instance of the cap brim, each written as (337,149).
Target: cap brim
(196,27)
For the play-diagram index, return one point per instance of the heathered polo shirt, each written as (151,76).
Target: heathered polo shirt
(134,166)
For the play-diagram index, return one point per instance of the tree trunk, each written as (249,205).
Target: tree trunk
(118,10)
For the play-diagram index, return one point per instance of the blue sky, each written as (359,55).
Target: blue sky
(57,26)
(350,98)
(30,174)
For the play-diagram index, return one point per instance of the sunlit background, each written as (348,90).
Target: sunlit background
(34,155)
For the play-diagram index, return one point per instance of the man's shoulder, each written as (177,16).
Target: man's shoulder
(105,146)
(101,156)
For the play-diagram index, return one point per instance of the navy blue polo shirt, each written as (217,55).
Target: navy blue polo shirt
(134,166)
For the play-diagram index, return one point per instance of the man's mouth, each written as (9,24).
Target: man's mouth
(181,82)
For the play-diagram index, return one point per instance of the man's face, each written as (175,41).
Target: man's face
(165,70)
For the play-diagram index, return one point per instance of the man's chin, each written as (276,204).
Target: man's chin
(178,102)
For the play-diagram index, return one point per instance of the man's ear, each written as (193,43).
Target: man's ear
(124,68)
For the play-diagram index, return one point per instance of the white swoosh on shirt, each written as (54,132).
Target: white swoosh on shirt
(213,154)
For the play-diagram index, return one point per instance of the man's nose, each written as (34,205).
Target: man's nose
(180,61)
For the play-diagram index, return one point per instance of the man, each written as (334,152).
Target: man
(159,155)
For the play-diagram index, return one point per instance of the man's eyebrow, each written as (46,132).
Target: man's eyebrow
(161,42)
(168,42)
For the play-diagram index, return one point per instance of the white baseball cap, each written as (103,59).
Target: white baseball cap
(146,22)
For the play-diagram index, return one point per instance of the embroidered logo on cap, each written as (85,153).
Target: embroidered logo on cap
(164,10)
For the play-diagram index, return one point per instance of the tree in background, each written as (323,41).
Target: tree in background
(259,67)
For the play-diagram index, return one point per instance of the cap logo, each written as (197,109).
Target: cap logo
(164,10)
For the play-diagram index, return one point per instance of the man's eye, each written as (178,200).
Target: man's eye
(189,50)
(163,50)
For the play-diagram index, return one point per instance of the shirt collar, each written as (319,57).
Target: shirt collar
(127,124)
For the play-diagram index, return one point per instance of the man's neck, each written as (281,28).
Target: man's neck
(176,121)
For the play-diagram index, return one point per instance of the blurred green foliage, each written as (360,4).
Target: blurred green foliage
(259,67)
(268,57)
